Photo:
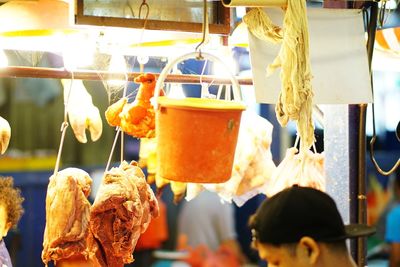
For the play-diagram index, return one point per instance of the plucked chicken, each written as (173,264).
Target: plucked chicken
(113,111)
(82,113)
(5,135)
(137,118)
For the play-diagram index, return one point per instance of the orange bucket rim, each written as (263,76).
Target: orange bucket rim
(200,103)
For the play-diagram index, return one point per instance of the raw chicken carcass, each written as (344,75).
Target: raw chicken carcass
(122,210)
(113,111)
(82,113)
(138,117)
(67,215)
(5,135)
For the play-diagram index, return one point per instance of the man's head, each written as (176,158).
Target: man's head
(300,224)
(10,205)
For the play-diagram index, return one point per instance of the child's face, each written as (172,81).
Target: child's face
(4,224)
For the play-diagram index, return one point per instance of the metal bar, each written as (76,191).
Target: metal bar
(52,73)
(353,172)
(361,144)
(361,196)
(372,31)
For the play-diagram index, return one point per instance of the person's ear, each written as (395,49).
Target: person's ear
(310,249)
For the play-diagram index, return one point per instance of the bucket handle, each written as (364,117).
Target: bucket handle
(237,96)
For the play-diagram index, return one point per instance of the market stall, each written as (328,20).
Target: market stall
(198,143)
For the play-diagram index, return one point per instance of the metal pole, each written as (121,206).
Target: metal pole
(358,117)
(52,73)
(361,197)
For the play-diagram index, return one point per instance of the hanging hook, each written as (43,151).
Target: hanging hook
(372,151)
(204,30)
(142,5)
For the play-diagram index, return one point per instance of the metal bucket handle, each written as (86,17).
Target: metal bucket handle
(237,96)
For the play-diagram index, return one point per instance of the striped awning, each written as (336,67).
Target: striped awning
(388,39)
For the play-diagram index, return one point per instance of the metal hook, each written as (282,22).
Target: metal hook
(144,4)
(204,30)
(372,155)
(372,151)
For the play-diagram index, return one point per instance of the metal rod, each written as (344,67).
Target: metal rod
(361,196)
(361,178)
(52,73)
(372,31)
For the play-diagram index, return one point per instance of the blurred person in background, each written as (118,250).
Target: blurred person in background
(10,212)
(207,224)
(392,232)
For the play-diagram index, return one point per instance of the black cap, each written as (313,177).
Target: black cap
(302,211)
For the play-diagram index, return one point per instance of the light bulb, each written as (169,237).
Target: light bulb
(78,52)
(117,64)
(143,60)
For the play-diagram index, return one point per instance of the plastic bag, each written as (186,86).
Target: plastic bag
(253,165)
(303,169)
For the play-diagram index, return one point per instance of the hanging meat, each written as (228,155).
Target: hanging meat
(82,113)
(137,118)
(5,135)
(113,111)
(67,215)
(123,209)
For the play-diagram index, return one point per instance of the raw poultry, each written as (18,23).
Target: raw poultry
(82,113)
(137,118)
(5,135)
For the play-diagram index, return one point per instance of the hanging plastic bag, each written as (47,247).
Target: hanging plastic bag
(253,165)
(303,169)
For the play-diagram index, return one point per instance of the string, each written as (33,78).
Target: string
(296,142)
(112,148)
(122,133)
(64,126)
(118,130)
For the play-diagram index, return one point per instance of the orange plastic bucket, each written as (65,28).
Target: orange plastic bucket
(196,139)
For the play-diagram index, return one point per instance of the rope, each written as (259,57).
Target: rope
(119,131)
(295,98)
